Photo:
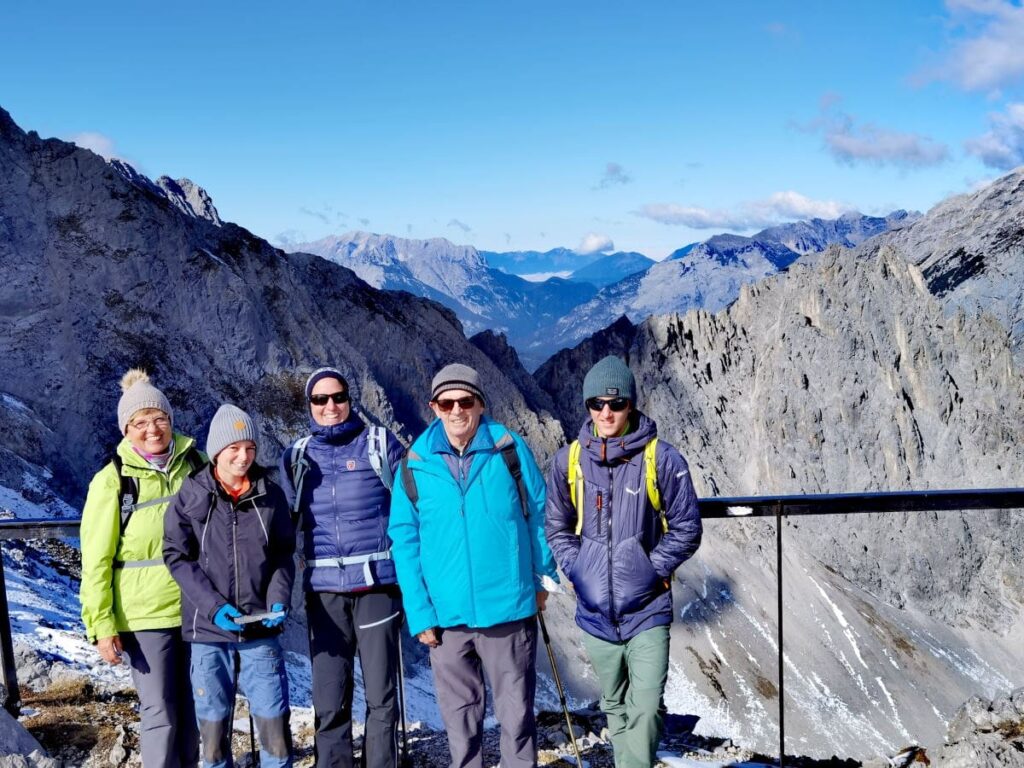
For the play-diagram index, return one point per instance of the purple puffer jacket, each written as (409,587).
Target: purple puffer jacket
(344,507)
(621,564)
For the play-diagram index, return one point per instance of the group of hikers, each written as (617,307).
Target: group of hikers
(188,564)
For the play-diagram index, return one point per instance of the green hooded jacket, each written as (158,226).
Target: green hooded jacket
(129,599)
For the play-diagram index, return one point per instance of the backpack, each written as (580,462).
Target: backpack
(575,480)
(506,446)
(377,453)
(130,486)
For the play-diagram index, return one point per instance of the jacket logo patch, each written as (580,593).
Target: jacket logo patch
(350,464)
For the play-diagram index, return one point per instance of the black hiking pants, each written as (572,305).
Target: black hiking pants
(342,625)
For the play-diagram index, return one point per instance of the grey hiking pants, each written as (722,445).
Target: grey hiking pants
(507,653)
(340,626)
(168,734)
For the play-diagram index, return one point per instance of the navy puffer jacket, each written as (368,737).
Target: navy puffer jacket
(222,552)
(344,506)
(621,563)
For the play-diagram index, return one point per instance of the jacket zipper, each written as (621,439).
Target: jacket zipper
(610,530)
(234,553)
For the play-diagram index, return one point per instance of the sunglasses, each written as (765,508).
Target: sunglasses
(616,404)
(337,397)
(465,403)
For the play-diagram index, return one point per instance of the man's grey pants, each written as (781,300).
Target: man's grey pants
(507,653)
(159,659)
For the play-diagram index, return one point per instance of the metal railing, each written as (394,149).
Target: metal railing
(777,507)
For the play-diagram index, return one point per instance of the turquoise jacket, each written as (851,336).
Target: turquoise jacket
(465,553)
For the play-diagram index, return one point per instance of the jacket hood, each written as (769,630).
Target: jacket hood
(337,434)
(614,449)
(435,440)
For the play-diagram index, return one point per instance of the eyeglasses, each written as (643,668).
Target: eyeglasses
(616,404)
(142,425)
(465,403)
(337,397)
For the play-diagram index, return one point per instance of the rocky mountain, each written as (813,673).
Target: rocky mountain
(706,275)
(556,261)
(612,268)
(103,269)
(457,276)
(969,250)
(842,376)
(849,230)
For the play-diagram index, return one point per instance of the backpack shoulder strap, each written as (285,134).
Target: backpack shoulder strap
(507,446)
(129,492)
(575,480)
(298,465)
(408,479)
(377,448)
(651,472)
(195,459)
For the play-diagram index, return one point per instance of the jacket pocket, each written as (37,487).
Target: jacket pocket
(589,576)
(636,582)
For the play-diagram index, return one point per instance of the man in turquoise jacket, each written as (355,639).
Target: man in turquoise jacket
(467,531)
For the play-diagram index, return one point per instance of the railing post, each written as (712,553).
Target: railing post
(782,686)
(8,671)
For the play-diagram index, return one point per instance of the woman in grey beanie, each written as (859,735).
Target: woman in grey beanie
(130,604)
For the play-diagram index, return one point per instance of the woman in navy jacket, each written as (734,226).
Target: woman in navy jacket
(353,604)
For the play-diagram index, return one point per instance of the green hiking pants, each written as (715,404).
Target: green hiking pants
(632,675)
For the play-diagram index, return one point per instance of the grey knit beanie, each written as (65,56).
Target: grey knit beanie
(138,394)
(456,376)
(610,377)
(230,424)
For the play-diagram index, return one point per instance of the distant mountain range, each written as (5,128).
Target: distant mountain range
(487,290)
(457,276)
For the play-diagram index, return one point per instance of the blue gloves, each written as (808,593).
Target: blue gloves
(224,618)
(278,621)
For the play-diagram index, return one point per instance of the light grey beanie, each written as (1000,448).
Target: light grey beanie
(456,376)
(230,424)
(138,394)
(610,377)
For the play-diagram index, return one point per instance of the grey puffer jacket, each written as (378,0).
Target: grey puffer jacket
(621,563)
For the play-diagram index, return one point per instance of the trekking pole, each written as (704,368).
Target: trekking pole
(558,685)
(405,762)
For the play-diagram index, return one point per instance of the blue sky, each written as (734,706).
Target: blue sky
(531,125)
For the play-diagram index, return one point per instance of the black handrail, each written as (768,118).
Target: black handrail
(777,507)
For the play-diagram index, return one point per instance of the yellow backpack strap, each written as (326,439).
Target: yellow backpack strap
(650,452)
(575,479)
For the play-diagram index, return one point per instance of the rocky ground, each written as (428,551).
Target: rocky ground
(85,725)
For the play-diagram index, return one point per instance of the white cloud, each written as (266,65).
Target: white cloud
(613,174)
(594,243)
(1003,146)
(98,143)
(851,143)
(990,53)
(754,214)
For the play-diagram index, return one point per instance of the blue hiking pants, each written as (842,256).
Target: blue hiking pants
(263,680)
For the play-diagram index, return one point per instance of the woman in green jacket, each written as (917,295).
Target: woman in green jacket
(130,604)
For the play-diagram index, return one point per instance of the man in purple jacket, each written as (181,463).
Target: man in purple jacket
(618,533)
